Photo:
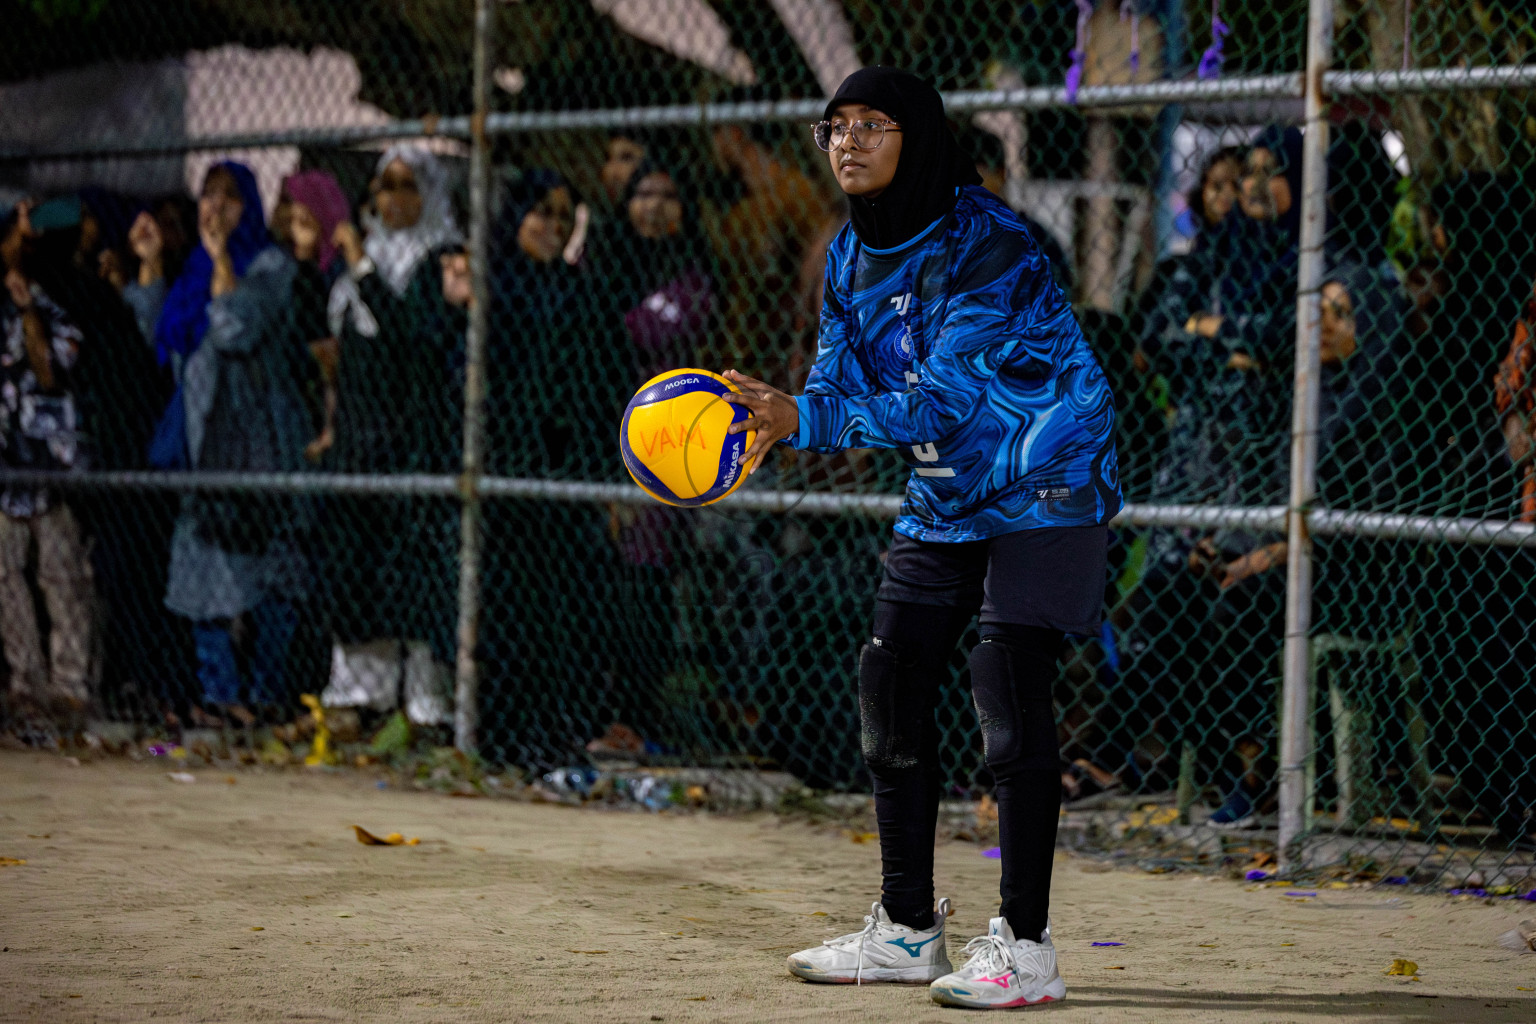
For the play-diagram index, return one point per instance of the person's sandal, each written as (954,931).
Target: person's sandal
(204,719)
(1083,779)
(238,715)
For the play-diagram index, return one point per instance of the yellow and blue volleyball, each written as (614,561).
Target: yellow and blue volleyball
(674,441)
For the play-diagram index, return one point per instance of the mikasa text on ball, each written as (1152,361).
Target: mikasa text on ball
(674,441)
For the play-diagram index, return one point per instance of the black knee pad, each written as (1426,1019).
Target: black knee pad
(1012,689)
(891,706)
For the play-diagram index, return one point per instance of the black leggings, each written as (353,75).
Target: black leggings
(1028,784)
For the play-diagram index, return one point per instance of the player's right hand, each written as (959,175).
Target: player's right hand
(775,415)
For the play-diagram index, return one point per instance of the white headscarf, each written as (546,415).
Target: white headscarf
(397,254)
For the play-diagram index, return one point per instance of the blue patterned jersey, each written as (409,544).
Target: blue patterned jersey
(958,349)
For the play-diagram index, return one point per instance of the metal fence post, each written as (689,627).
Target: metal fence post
(466,714)
(1296,702)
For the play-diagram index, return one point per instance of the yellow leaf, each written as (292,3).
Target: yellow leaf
(10,862)
(393,839)
(1402,969)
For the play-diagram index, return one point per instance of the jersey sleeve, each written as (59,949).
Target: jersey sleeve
(836,372)
(1001,298)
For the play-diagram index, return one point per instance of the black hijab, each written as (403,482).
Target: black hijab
(932,163)
(535,293)
(638,265)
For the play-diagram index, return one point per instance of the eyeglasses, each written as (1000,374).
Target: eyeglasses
(866,134)
(664,194)
(1340,310)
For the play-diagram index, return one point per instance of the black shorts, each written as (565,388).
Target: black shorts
(1052,577)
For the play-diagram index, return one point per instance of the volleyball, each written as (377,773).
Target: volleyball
(674,441)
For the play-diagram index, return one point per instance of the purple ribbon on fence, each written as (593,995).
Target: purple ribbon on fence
(1128,13)
(1210,60)
(1080,52)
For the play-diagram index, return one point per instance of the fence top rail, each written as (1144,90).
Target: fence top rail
(1281,86)
(1286,86)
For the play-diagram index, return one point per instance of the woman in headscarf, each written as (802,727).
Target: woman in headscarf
(225,324)
(1238,335)
(316,208)
(391,566)
(653,265)
(539,374)
(944,336)
(656,272)
(543,373)
(385,312)
(1362,313)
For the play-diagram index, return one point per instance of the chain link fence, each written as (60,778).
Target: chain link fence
(222,492)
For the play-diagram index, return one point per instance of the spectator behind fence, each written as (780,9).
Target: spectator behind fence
(160,240)
(1514,388)
(1226,364)
(389,556)
(317,211)
(119,394)
(1149,395)
(1502,715)
(1362,322)
(544,362)
(391,394)
(652,267)
(1453,457)
(622,156)
(40,430)
(1227,357)
(234,558)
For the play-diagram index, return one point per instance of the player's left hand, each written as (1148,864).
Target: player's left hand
(774,415)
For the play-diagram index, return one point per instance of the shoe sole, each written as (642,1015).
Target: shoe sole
(875,975)
(1233,826)
(1054,992)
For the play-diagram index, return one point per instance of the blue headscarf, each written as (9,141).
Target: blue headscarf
(184,318)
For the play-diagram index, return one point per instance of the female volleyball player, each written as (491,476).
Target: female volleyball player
(943,336)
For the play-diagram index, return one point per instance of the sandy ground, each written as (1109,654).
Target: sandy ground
(144,898)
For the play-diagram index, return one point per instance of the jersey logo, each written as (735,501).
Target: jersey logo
(902,303)
(912,948)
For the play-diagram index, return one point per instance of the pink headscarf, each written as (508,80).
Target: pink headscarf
(322,196)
